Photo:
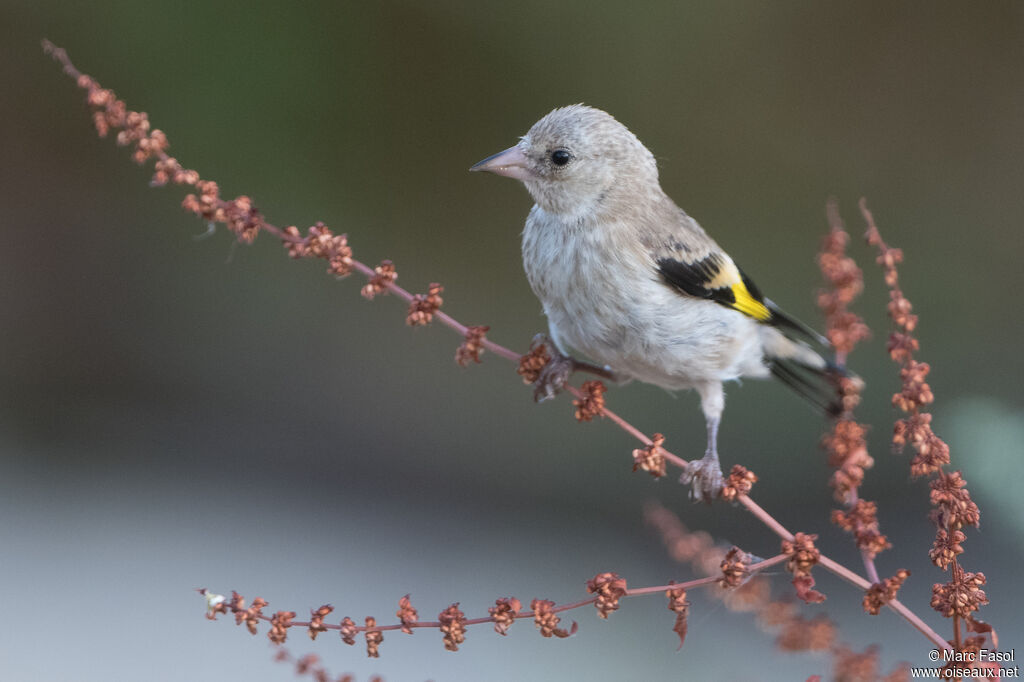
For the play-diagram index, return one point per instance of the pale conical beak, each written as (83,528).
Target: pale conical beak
(511,163)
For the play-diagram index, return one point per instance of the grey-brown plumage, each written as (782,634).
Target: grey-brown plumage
(630,280)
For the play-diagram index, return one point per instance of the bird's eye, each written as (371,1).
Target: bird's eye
(560,157)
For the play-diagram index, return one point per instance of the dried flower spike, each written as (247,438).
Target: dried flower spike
(504,613)
(678,604)
(373,638)
(348,631)
(339,262)
(453,625)
(651,458)
(279,624)
(385,274)
(251,615)
(739,482)
(472,346)
(880,594)
(803,555)
(591,404)
(547,620)
(734,568)
(531,364)
(961,596)
(609,588)
(422,307)
(316,620)
(407,614)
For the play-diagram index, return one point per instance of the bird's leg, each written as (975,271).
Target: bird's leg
(560,367)
(705,475)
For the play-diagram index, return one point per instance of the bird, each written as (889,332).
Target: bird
(631,281)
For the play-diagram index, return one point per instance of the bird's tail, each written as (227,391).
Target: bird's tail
(803,368)
(819,384)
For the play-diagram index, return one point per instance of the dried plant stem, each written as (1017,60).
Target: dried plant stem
(245,221)
(750,570)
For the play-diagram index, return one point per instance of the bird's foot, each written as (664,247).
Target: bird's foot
(705,475)
(555,374)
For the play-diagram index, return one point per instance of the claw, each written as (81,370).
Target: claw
(705,475)
(553,377)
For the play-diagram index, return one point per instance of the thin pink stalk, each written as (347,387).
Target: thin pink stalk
(250,218)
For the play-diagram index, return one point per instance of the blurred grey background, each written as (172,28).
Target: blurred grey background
(177,413)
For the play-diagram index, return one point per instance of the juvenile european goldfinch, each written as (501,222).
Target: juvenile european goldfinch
(627,278)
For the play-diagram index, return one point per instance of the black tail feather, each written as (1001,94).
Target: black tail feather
(790,326)
(820,387)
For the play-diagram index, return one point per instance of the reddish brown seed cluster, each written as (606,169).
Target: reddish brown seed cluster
(546,620)
(320,242)
(861,519)
(845,443)
(373,638)
(207,204)
(803,556)
(134,130)
(250,616)
(384,274)
(795,632)
(739,482)
(952,506)
(407,614)
(472,346)
(802,553)
(531,364)
(961,596)
(848,454)
(316,620)
(591,403)
(348,631)
(453,625)
(243,219)
(609,588)
(930,452)
(168,169)
(651,457)
(504,613)
(279,624)
(423,306)
(734,568)
(846,281)
(678,605)
(880,594)
(946,547)
(111,113)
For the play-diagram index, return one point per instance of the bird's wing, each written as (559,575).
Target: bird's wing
(717,278)
(693,264)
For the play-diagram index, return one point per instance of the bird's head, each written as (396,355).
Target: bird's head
(575,159)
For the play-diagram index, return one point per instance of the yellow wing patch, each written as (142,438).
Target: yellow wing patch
(747,304)
(716,277)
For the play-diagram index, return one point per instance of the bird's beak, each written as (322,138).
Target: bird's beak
(511,163)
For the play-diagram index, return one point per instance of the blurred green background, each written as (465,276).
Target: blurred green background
(177,413)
